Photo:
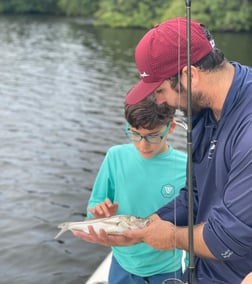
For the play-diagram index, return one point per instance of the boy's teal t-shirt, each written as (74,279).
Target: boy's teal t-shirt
(141,186)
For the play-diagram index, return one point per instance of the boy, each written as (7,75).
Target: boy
(137,179)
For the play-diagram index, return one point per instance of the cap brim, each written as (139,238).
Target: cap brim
(140,91)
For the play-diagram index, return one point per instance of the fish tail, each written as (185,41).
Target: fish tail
(63,228)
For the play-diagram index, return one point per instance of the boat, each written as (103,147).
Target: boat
(100,275)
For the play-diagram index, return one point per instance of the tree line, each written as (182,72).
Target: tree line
(217,15)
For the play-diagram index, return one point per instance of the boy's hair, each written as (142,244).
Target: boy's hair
(148,114)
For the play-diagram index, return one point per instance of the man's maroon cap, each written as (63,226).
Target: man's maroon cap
(162,53)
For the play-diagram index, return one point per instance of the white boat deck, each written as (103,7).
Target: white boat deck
(100,275)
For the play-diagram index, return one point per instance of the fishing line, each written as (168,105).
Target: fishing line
(179,74)
(184,126)
(188,127)
(175,203)
(173,281)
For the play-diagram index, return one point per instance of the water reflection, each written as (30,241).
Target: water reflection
(235,46)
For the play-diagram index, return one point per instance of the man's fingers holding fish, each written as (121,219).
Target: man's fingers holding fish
(92,236)
(103,238)
(155,235)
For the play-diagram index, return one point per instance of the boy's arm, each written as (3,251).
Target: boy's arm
(100,203)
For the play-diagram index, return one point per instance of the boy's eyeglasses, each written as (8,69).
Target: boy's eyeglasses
(151,139)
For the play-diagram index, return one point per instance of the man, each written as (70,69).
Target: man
(222,151)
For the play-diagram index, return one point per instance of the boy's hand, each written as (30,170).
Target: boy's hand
(104,209)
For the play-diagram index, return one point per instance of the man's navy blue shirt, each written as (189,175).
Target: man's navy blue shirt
(222,181)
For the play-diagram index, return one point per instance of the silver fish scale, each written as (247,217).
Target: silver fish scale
(111,225)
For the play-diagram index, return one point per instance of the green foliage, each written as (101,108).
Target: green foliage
(224,15)
(172,9)
(28,6)
(220,15)
(121,13)
(78,7)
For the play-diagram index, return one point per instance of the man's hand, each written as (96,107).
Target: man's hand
(104,209)
(159,235)
(103,238)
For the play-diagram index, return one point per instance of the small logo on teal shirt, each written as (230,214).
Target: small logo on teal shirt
(168,190)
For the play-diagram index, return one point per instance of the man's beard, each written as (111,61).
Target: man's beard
(196,107)
(199,101)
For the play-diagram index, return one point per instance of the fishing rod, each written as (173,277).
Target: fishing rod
(188,128)
(191,267)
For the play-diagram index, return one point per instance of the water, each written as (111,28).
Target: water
(62,90)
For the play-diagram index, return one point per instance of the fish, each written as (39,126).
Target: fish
(114,225)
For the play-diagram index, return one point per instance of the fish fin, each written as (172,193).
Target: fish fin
(62,231)
(63,227)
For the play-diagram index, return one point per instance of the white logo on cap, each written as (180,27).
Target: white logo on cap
(212,43)
(144,74)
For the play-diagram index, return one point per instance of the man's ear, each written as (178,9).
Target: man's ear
(194,76)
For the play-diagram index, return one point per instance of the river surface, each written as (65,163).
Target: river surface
(62,89)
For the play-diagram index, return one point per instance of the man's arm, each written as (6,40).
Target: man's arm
(161,235)
(200,247)
(164,235)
